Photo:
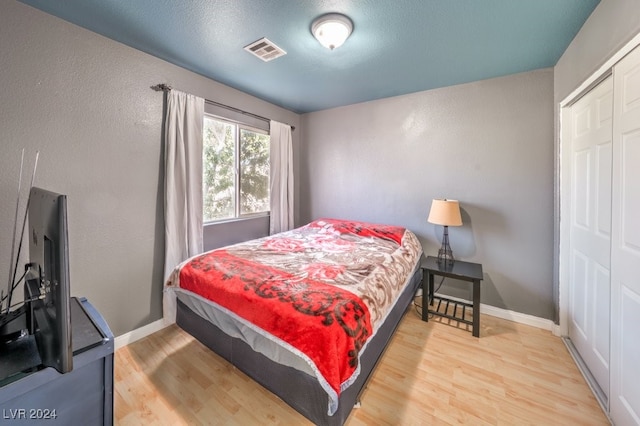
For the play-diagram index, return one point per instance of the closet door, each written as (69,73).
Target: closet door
(590,229)
(625,250)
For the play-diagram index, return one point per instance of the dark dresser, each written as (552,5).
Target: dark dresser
(84,396)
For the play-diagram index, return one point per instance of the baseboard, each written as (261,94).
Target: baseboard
(518,317)
(139,333)
(526,319)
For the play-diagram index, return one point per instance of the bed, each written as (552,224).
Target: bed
(306,313)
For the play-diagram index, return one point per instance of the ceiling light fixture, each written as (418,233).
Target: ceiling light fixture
(332,29)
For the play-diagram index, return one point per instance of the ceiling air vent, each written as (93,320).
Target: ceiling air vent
(265,50)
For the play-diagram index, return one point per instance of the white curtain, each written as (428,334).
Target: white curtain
(281,178)
(183,178)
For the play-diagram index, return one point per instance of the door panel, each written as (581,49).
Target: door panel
(579,297)
(581,188)
(625,244)
(602,315)
(630,225)
(603,201)
(590,230)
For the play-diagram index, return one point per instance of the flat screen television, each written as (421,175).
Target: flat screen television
(47,288)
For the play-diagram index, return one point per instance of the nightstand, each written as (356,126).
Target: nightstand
(440,305)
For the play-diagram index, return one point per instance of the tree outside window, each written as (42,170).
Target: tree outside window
(236,170)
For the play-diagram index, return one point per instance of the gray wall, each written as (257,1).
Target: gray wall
(222,234)
(611,25)
(488,144)
(85,103)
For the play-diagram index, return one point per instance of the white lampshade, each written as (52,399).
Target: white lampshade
(445,212)
(332,30)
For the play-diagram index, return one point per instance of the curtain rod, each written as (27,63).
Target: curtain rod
(166,88)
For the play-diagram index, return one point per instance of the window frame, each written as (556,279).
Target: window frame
(239,126)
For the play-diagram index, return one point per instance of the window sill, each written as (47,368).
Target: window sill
(236,219)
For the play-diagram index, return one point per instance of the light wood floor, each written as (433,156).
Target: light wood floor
(432,374)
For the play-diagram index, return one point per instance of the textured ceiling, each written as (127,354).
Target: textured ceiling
(397,46)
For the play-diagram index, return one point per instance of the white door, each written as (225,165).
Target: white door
(590,229)
(625,250)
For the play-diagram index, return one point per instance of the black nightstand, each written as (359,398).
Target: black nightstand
(465,271)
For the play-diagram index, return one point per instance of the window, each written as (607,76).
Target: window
(235,170)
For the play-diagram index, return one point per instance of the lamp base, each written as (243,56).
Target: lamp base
(445,255)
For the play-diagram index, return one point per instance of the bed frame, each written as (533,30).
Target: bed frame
(300,390)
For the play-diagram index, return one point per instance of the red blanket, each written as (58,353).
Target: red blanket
(388,232)
(328,324)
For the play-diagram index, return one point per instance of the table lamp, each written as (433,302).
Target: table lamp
(446,213)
